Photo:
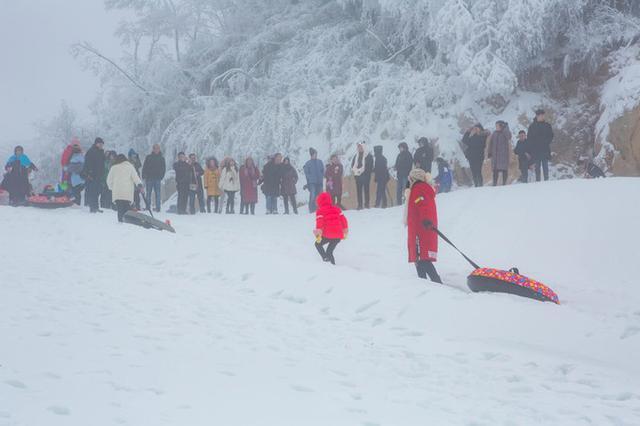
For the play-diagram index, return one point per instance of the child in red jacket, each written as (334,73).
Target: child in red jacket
(331,227)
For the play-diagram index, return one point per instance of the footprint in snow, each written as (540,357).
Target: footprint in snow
(245,277)
(630,332)
(16,384)
(300,388)
(227,373)
(367,306)
(59,410)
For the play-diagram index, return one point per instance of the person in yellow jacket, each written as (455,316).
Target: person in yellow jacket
(212,184)
(123,180)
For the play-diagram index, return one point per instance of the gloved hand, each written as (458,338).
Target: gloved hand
(427,224)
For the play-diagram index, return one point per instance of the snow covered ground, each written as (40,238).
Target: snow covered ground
(235,321)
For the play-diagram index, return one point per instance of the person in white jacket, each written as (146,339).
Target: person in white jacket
(230,183)
(123,180)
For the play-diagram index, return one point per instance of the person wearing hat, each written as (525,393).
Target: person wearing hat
(94,172)
(474,143)
(540,137)
(314,172)
(362,167)
(423,157)
(422,223)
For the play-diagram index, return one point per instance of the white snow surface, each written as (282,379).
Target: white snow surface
(235,320)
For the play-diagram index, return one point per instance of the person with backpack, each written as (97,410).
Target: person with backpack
(474,143)
(153,171)
(380,176)
(540,136)
(123,180)
(230,183)
(444,180)
(524,156)
(403,166)
(331,227)
(423,157)
(288,190)
(422,223)
(16,178)
(212,184)
(184,179)
(500,152)
(362,167)
(249,177)
(73,170)
(94,174)
(333,175)
(272,182)
(314,173)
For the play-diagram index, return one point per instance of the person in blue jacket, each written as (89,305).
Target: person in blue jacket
(16,178)
(445,176)
(314,172)
(74,169)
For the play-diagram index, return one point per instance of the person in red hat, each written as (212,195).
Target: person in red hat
(422,222)
(331,227)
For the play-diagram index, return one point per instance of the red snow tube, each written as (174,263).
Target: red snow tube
(45,202)
(511,282)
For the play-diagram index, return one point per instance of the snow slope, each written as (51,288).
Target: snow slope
(235,321)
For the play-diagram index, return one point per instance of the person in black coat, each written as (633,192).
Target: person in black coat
(184,177)
(94,174)
(423,157)
(474,143)
(362,167)
(381,177)
(197,187)
(153,171)
(272,182)
(540,137)
(404,164)
(524,156)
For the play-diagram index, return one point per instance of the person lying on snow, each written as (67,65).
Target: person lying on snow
(123,180)
(422,221)
(331,227)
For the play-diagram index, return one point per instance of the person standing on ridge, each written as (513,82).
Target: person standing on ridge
(153,172)
(230,183)
(422,223)
(289,181)
(184,177)
(381,176)
(333,175)
(404,164)
(196,185)
(423,157)
(94,173)
(524,156)
(540,137)
(272,182)
(314,173)
(362,167)
(212,184)
(474,143)
(500,152)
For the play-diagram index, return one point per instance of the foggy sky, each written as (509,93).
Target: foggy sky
(37,70)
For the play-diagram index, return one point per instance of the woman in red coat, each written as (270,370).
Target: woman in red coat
(422,220)
(331,227)
(249,177)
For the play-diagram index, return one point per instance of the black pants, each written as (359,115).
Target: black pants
(381,195)
(290,199)
(495,177)
(183,198)
(544,165)
(122,206)
(524,174)
(216,203)
(476,172)
(231,201)
(76,191)
(327,255)
(92,195)
(362,188)
(106,199)
(426,268)
(136,198)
